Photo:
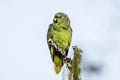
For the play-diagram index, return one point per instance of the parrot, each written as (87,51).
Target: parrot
(61,33)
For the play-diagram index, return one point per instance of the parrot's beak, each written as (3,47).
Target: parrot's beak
(55,20)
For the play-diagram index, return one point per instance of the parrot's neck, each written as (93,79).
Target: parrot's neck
(60,27)
(61,24)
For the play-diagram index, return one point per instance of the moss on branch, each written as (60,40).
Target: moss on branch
(75,69)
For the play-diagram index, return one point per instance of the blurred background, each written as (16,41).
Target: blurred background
(24,53)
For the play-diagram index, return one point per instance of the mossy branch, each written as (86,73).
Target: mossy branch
(76,63)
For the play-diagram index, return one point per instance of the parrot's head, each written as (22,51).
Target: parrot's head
(61,18)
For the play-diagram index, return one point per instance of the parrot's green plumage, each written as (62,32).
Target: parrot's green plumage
(61,33)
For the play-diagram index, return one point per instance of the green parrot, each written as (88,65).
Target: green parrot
(61,33)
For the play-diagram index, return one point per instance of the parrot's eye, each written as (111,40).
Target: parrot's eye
(60,17)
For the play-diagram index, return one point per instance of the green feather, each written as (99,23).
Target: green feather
(61,33)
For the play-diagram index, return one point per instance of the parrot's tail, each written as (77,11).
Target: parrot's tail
(58,63)
(57,68)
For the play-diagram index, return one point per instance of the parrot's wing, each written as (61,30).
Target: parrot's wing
(49,36)
(69,41)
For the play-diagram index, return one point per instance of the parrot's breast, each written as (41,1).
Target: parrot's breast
(61,38)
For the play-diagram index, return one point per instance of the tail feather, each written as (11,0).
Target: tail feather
(58,63)
(57,68)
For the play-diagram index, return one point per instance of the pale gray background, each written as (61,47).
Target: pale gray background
(24,53)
